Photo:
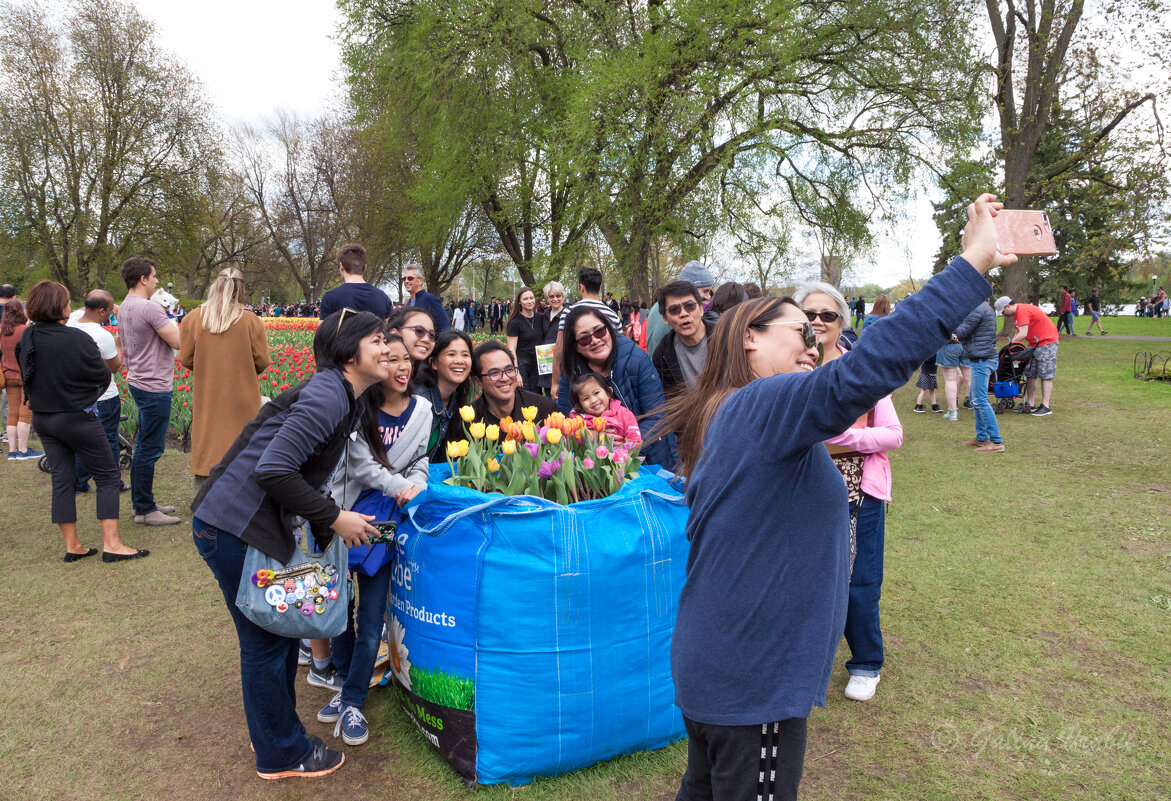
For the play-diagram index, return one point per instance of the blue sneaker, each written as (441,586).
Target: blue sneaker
(352,726)
(14,456)
(331,711)
(31,454)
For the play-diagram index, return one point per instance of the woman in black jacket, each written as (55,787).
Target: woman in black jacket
(272,472)
(64,376)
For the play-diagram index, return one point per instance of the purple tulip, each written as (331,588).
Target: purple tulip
(546,470)
(533,449)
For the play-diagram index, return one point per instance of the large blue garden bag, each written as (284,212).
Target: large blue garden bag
(532,639)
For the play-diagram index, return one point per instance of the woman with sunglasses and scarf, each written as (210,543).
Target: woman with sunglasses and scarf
(764,602)
(272,472)
(860,456)
(594,345)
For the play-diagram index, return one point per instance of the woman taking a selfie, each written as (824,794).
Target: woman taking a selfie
(271,473)
(764,603)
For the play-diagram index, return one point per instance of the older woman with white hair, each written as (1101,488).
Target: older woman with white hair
(860,455)
(555,294)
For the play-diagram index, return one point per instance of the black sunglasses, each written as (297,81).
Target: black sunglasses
(598,333)
(825,316)
(807,332)
(421,332)
(687,307)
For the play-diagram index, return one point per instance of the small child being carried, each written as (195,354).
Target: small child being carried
(592,398)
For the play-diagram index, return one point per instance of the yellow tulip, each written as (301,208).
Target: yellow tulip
(493,465)
(529,431)
(477,430)
(492,433)
(553,435)
(530,413)
(508,447)
(463,447)
(453,450)
(467,413)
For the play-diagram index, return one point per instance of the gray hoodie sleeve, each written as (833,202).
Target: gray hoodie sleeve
(359,470)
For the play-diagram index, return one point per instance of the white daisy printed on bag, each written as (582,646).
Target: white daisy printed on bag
(399,663)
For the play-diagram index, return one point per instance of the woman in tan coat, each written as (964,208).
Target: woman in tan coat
(225,347)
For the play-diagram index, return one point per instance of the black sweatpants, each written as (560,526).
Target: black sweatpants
(67,435)
(743,763)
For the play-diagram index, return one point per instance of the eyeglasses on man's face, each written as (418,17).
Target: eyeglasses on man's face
(687,307)
(825,316)
(421,332)
(598,333)
(496,373)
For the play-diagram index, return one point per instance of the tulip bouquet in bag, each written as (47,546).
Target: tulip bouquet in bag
(562,459)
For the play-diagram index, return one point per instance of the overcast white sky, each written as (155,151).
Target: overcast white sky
(254,56)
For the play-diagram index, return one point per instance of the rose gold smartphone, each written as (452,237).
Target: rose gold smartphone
(1023,232)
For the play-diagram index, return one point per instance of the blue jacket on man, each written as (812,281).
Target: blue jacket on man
(433,306)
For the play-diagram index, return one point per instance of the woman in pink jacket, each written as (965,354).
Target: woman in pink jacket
(860,454)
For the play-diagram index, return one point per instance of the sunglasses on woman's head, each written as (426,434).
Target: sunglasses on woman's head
(825,316)
(342,318)
(421,332)
(598,333)
(807,333)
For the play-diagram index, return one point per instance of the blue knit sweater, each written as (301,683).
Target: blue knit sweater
(764,603)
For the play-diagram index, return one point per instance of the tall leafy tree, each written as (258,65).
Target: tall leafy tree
(561,116)
(95,120)
(1034,41)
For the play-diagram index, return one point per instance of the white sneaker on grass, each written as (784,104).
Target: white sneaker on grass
(861,688)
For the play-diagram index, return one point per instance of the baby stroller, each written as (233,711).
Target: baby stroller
(1008,382)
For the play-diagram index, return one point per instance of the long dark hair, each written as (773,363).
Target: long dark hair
(725,370)
(571,361)
(13,316)
(516,309)
(369,404)
(429,378)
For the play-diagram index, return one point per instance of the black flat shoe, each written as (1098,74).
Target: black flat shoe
(73,557)
(122,557)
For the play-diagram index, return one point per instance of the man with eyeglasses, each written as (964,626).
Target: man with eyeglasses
(680,356)
(413,283)
(495,374)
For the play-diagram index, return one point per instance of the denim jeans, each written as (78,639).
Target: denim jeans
(109,414)
(987,429)
(354,652)
(268,663)
(863,634)
(154,416)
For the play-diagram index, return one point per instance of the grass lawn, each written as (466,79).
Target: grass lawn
(1026,613)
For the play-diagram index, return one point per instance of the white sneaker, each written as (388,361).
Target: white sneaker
(861,688)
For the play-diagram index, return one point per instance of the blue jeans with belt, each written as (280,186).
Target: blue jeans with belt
(863,634)
(154,416)
(268,663)
(987,429)
(355,650)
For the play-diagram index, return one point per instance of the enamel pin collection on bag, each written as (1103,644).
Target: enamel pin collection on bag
(308,598)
